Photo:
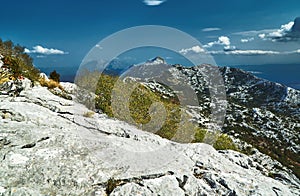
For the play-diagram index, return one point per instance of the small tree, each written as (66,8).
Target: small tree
(55,76)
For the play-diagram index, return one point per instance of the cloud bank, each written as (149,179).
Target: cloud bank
(246,40)
(254,52)
(211,29)
(287,32)
(194,49)
(44,51)
(223,40)
(154,2)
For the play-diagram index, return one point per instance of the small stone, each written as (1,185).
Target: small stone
(2,190)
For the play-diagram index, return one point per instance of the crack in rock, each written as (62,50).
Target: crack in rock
(31,145)
(208,179)
(112,183)
(86,127)
(275,189)
(182,182)
(28,145)
(43,139)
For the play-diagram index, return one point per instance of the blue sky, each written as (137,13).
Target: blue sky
(60,33)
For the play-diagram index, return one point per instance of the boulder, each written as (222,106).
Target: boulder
(44,76)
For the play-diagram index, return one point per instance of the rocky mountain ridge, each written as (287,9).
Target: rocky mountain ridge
(53,146)
(48,146)
(264,114)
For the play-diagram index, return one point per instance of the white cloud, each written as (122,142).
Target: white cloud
(246,40)
(246,52)
(223,40)
(254,52)
(26,50)
(253,32)
(262,36)
(284,29)
(153,2)
(99,47)
(293,52)
(211,29)
(255,72)
(287,27)
(40,56)
(281,34)
(229,48)
(195,49)
(45,51)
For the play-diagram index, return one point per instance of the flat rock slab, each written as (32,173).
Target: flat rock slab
(48,147)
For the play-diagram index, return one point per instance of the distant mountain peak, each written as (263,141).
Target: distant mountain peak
(156,61)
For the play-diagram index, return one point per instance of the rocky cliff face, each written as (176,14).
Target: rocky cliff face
(53,146)
(264,114)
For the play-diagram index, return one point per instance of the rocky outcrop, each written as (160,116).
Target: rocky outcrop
(14,87)
(262,113)
(9,86)
(48,146)
(1,62)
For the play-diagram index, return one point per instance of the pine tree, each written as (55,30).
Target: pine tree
(55,76)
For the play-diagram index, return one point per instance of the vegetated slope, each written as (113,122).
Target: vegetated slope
(52,145)
(262,113)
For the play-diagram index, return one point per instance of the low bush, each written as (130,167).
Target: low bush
(89,114)
(224,142)
(51,84)
(142,109)
(19,63)
(55,76)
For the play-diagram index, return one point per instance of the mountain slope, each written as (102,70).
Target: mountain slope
(261,113)
(48,146)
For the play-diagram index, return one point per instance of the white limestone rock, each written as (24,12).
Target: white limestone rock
(54,150)
(44,76)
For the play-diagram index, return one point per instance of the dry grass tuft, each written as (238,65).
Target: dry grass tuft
(51,84)
(89,114)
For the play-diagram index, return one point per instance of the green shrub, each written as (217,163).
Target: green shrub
(224,142)
(141,99)
(20,63)
(55,76)
(103,91)
(200,134)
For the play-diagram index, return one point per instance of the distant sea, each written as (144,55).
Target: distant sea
(67,74)
(288,74)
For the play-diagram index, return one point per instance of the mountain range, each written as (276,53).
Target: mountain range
(263,114)
(50,144)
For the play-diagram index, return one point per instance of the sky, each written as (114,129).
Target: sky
(58,34)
